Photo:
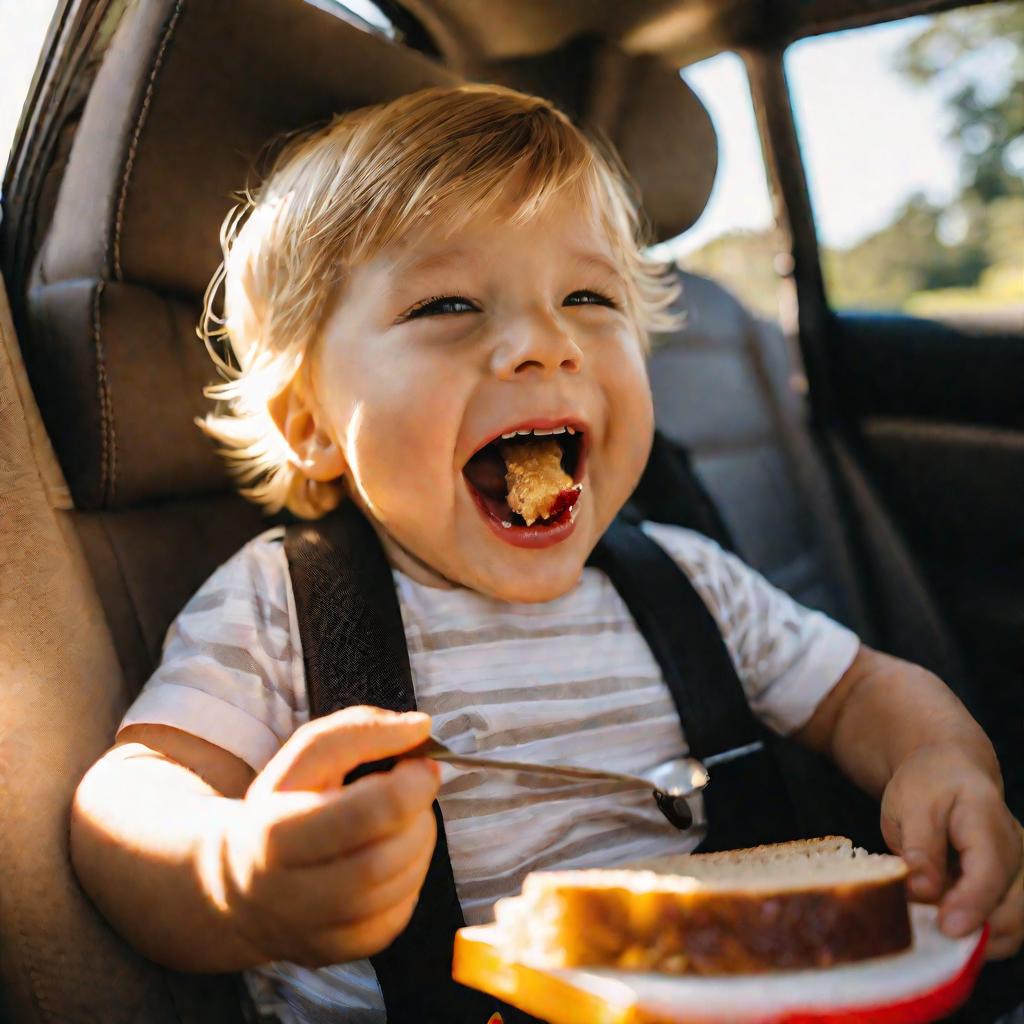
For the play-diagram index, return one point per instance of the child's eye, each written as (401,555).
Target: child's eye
(439,305)
(588,297)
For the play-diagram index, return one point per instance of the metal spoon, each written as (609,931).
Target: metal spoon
(675,783)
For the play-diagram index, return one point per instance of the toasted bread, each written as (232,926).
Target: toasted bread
(794,905)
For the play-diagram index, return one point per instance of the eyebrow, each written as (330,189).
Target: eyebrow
(590,259)
(433,261)
(443,258)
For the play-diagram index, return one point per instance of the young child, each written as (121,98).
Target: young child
(425,297)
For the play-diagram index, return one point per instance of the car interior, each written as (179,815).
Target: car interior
(871,465)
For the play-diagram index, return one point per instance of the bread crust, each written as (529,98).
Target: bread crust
(694,914)
(728,932)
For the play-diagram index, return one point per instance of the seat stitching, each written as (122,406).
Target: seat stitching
(103,387)
(139,124)
(108,469)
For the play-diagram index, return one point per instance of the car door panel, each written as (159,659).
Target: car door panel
(938,412)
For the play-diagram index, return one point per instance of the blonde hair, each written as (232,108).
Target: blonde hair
(338,195)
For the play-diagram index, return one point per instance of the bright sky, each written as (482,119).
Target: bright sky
(23,25)
(870,138)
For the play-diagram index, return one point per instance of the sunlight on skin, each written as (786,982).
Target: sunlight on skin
(403,560)
(532,328)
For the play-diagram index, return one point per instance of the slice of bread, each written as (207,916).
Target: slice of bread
(813,903)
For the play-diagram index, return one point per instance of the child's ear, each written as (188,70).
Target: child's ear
(317,455)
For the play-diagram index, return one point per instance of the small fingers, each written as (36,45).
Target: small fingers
(362,813)
(276,908)
(311,899)
(374,865)
(917,830)
(989,846)
(319,754)
(357,941)
(925,849)
(1007,926)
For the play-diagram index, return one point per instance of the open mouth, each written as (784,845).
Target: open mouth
(529,477)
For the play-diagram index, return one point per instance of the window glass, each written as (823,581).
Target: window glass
(734,241)
(22,33)
(364,14)
(912,135)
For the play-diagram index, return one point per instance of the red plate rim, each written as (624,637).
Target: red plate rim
(927,1006)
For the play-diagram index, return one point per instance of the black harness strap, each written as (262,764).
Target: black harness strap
(349,619)
(746,801)
(670,491)
(354,650)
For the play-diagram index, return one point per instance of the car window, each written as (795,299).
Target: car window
(912,135)
(364,14)
(734,241)
(22,35)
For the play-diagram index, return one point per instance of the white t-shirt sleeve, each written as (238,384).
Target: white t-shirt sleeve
(231,672)
(788,657)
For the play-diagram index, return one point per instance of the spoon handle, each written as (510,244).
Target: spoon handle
(435,749)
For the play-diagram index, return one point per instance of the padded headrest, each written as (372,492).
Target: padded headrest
(659,127)
(184,103)
(187,96)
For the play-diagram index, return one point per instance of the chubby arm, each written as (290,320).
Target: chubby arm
(902,735)
(204,867)
(882,711)
(138,823)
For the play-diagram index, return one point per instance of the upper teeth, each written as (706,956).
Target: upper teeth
(539,431)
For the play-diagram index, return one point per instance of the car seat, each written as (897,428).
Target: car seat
(115,508)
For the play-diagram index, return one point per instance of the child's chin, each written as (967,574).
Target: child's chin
(523,586)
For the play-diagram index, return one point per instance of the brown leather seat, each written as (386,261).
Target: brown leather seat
(95,570)
(102,550)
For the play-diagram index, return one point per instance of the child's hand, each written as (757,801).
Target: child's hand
(318,873)
(939,798)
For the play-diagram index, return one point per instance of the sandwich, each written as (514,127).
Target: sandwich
(807,904)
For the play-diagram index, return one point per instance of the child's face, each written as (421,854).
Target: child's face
(410,388)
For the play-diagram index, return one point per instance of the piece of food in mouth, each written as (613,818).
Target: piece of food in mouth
(534,477)
(790,906)
(525,478)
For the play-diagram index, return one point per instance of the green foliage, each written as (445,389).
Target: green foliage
(988,118)
(743,261)
(904,266)
(929,260)
(909,256)
(976,245)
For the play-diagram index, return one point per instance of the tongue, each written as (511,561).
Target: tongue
(486,472)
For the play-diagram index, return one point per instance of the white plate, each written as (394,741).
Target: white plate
(922,984)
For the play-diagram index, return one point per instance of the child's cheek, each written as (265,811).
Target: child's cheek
(403,452)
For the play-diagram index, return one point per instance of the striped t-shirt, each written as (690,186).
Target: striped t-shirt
(567,681)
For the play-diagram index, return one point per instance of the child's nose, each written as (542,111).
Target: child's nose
(539,343)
